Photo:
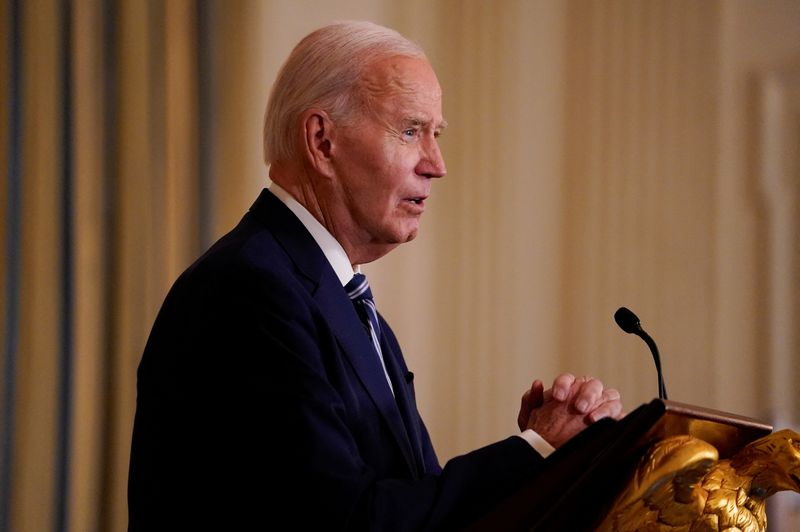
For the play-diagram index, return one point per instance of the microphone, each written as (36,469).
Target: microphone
(629,322)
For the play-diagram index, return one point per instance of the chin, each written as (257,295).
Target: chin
(401,234)
(407,235)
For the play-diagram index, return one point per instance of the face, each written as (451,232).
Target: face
(385,160)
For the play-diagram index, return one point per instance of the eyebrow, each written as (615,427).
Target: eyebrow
(416,121)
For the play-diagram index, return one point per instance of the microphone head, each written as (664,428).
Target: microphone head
(627,320)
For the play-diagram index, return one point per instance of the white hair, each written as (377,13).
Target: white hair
(323,71)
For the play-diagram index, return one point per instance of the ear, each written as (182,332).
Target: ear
(318,133)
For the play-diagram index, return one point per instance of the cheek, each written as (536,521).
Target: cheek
(398,168)
(380,176)
(385,181)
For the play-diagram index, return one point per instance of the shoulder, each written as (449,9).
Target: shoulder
(268,247)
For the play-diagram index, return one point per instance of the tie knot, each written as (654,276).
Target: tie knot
(358,288)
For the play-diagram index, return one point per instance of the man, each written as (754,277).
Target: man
(265,394)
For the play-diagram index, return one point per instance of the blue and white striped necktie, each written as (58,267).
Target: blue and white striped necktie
(361,296)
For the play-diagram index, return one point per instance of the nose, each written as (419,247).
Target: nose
(431,163)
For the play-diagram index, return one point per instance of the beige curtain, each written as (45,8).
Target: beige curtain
(600,154)
(107,198)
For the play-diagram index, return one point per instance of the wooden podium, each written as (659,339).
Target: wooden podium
(579,482)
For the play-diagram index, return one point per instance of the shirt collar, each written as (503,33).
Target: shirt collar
(332,249)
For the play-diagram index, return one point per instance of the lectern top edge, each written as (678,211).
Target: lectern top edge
(718,416)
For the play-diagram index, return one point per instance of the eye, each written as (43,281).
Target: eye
(410,132)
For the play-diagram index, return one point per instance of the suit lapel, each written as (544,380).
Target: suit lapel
(359,349)
(408,410)
(337,309)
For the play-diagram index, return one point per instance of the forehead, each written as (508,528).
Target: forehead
(400,81)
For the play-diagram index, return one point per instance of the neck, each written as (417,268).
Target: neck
(315,194)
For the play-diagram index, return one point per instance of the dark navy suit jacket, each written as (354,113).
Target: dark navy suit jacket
(261,400)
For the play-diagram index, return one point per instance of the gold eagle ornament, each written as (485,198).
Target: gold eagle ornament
(681,485)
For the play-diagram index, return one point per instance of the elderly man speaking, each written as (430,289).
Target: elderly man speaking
(271,391)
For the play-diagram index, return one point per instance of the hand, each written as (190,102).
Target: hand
(564,410)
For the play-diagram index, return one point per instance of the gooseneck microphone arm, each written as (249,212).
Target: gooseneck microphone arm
(629,322)
(662,390)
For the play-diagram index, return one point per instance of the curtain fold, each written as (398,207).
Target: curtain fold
(108,202)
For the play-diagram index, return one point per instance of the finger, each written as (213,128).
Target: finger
(610,406)
(525,401)
(531,399)
(537,394)
(562,385)
(588,396)
(524,410)
(612,409)
(610,394)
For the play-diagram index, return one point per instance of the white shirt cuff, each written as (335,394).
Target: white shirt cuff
(538,443)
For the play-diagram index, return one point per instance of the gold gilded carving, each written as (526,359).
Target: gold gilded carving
(681,485)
